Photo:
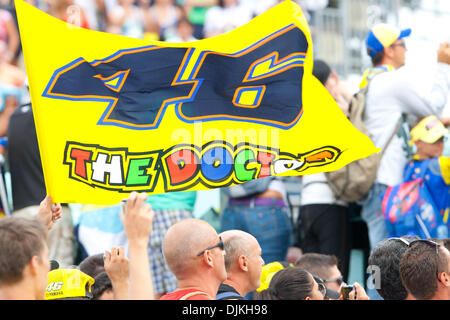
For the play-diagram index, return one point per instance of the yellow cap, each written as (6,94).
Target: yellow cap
(428,130)
(68,283)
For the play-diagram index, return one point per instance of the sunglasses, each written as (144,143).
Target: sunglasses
(321,286)
(400,44)
(217,245)
(431,243)
(338,280)
(402,240)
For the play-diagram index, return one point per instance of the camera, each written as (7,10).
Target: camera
(345,290)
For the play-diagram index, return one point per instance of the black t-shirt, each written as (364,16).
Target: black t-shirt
(227,292)
(27,179)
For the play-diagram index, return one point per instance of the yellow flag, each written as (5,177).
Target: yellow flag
(115,114)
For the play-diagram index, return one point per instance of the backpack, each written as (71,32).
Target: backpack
(419,206)
(352,182)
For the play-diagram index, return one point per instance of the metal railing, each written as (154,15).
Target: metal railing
(339,32)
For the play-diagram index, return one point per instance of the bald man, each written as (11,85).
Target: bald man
(243,263)
(194,253)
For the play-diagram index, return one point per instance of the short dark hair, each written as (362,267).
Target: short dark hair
(386,256)
(418,267)
(378,58)
(317,264)
(93,265)
(20,240)
(291,283)
(102,283)
(321,70)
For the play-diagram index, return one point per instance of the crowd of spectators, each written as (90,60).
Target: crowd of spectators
(148,19)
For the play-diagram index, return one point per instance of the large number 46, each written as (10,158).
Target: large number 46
(262,83)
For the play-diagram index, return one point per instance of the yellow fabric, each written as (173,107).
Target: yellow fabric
(370,71)
(321,140)
(268,271)
(445,168)
(68,283)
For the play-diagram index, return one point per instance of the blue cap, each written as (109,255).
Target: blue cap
(382,36)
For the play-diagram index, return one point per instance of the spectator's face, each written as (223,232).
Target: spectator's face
(144,2)
(399,53)
(126,2)
(335,274)
(429,150)
(3,49)
(185,30)
(61,3)
(315,292)
(40,273)
(332,84)
(229,3)
(161,2)
(255,264)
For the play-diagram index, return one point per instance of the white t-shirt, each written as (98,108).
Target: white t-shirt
(315,190)
(277,185)
(391,94)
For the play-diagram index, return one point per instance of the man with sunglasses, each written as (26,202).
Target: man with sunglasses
(425,270)
(324,267)
(243,263)
(393,95)
(195,254)
(325,271)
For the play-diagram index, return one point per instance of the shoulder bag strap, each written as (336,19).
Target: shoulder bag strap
(194,293)
(397,127)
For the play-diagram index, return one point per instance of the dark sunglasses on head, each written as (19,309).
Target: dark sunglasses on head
(400,239)
(429,242)
(217,245)
(433,244)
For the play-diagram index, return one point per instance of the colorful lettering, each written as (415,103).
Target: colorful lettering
(137,172)
(243,159)
(217,164)
(182,167)
(80,157)
(112,169)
